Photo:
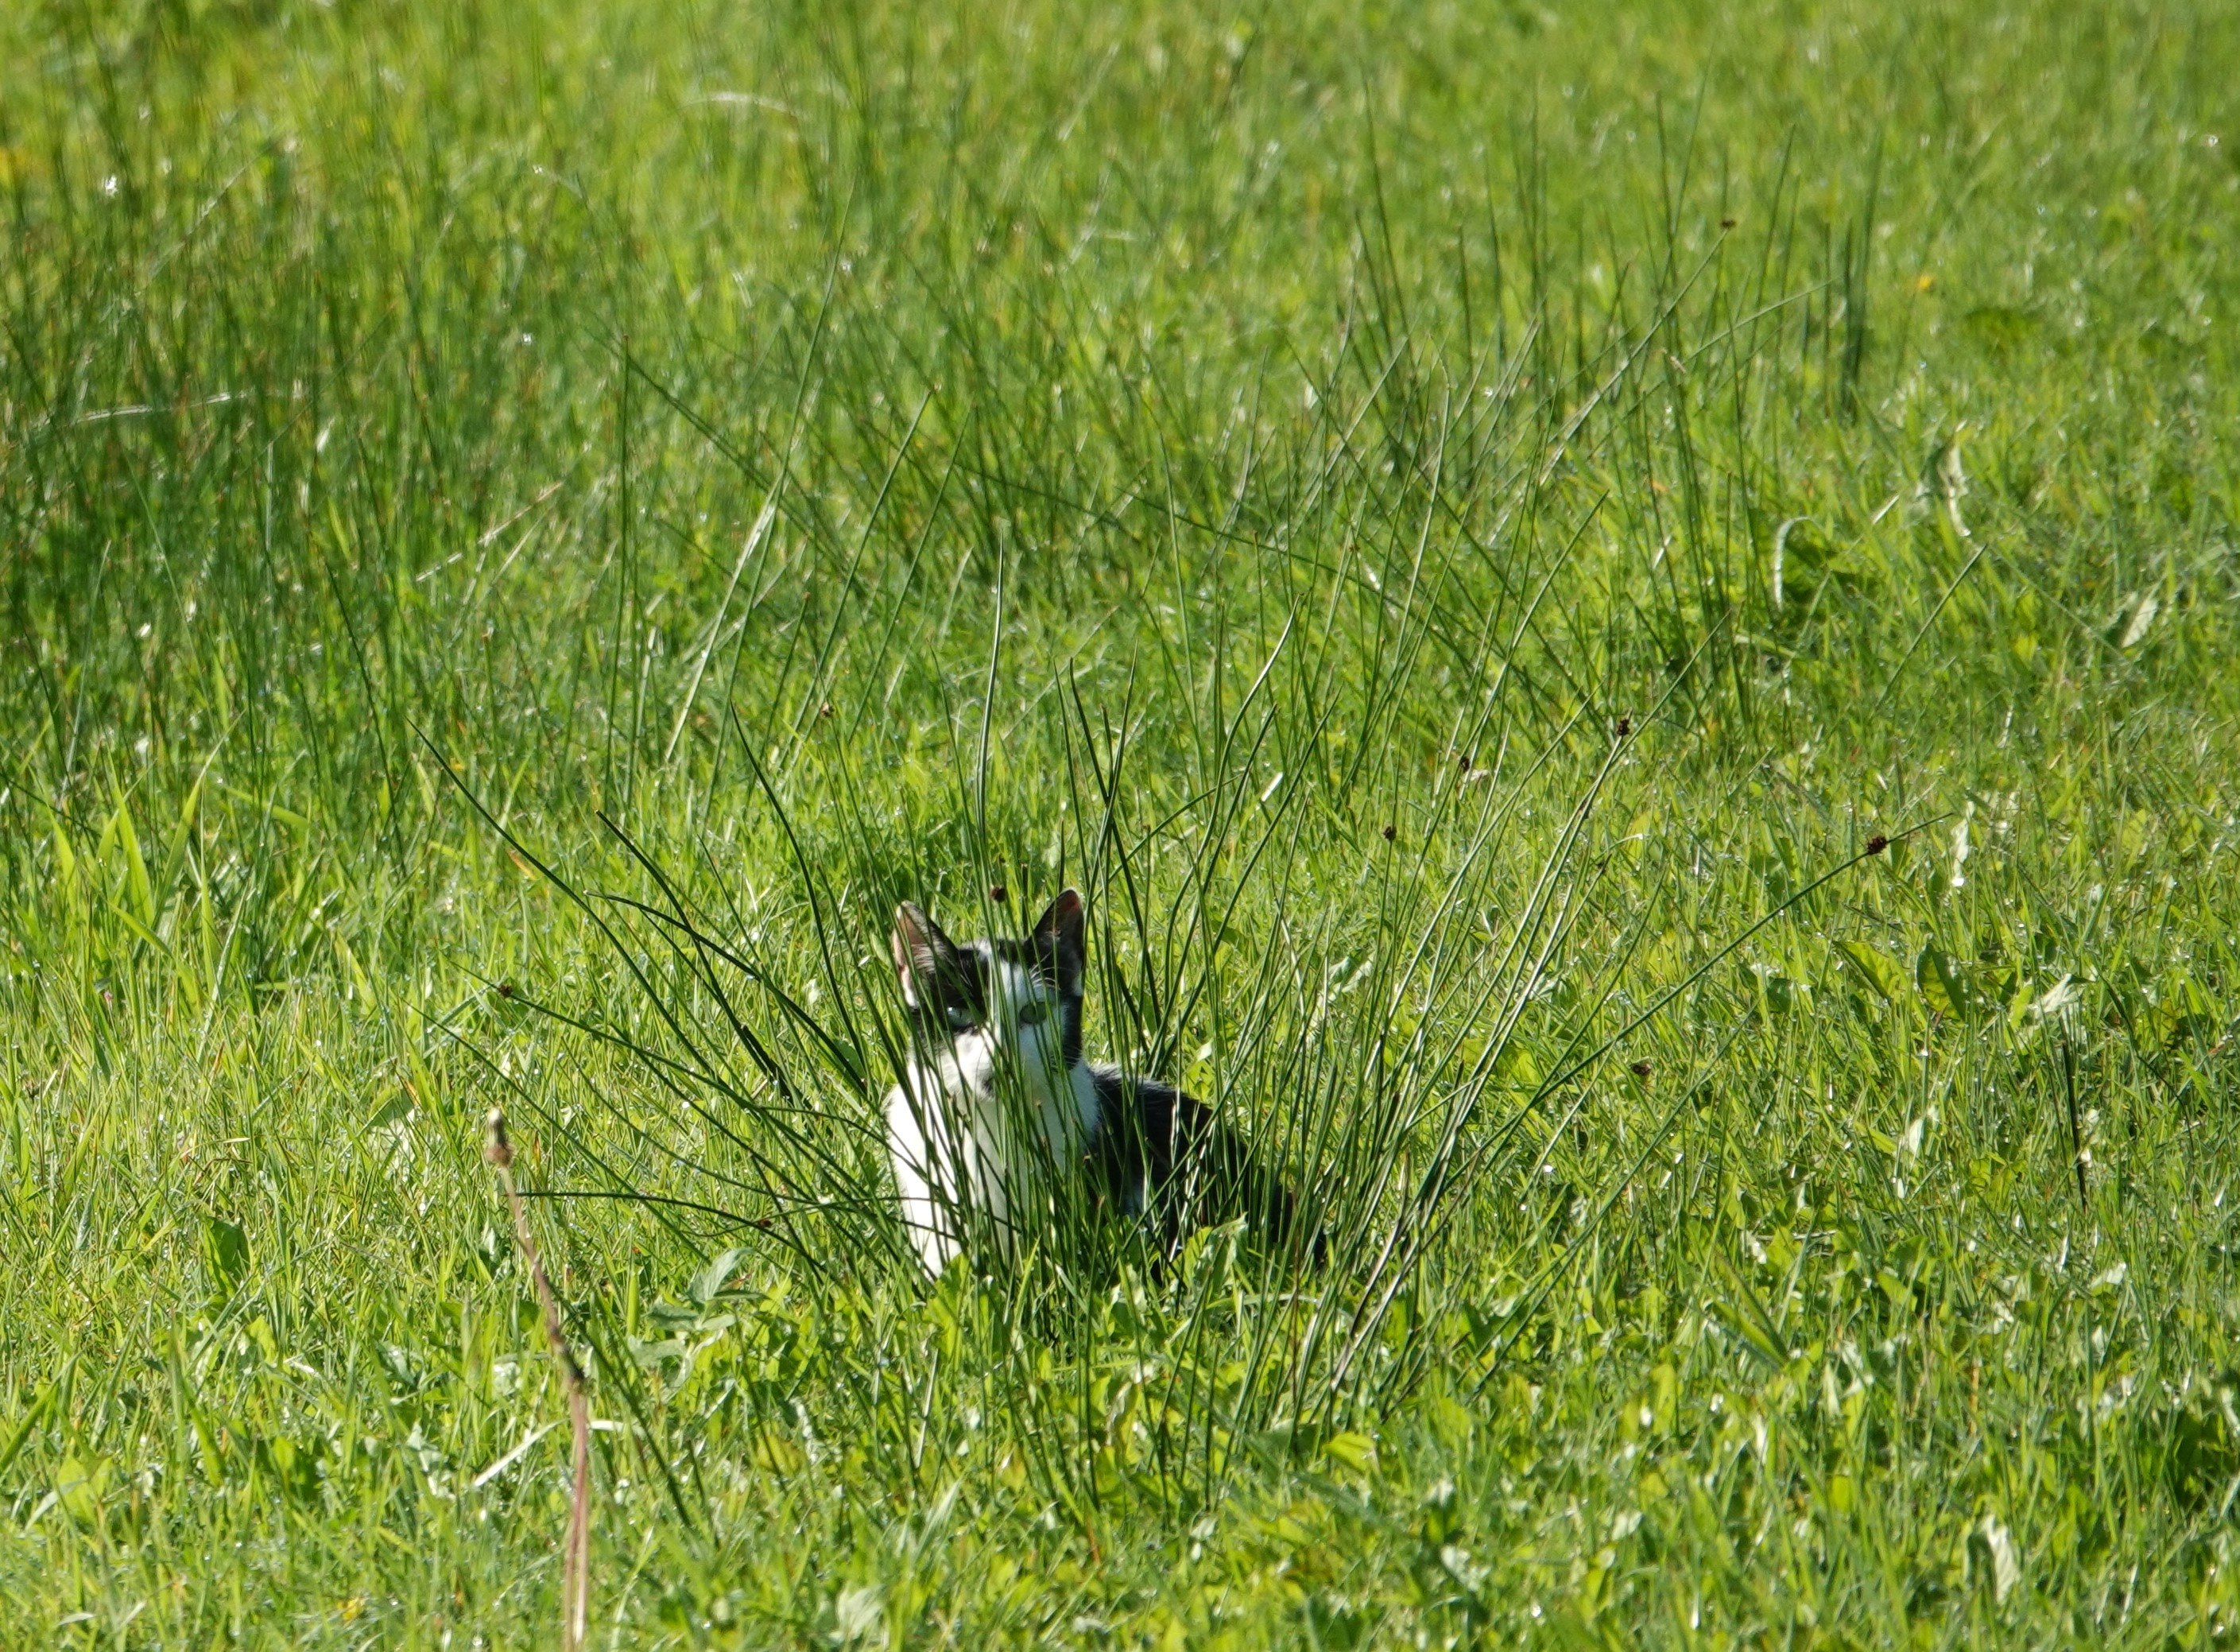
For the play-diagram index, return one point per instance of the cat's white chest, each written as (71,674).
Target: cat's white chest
(965,1156)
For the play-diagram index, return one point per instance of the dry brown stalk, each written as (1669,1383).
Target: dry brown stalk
(576,1559)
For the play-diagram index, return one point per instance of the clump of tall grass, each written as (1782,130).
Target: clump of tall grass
(1411,1044)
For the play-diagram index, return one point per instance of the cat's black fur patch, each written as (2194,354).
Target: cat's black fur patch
(1163,1153)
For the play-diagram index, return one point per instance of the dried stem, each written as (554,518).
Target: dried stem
(576,1560)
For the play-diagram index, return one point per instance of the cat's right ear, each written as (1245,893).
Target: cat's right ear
(1064,929)
(923,955)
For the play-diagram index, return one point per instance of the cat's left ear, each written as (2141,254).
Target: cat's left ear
(1063,931)
(927,962)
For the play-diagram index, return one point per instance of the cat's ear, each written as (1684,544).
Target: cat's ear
(926,961)
(1063,931)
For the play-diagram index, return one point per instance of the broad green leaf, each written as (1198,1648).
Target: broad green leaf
(1943,988)
(1879,972)
(225,1248)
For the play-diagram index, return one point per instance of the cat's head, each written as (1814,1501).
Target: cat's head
(1022,997)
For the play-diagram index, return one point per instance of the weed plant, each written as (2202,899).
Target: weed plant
(1626,617)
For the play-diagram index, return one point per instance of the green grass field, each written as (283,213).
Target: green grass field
(527,529)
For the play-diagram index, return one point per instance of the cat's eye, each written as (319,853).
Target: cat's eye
(960,1020)
(1032,1012)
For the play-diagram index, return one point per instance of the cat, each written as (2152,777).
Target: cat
(996,1098)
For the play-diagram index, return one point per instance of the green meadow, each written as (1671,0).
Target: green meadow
(1627,614)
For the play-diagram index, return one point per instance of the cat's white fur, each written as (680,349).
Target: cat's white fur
(956,1144)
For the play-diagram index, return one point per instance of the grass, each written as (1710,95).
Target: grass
(527,528)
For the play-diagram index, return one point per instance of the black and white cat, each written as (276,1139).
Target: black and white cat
(997,1101)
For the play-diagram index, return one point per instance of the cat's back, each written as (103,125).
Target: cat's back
(1156,1144)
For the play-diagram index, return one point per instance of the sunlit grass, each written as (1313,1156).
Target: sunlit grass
(529,530)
